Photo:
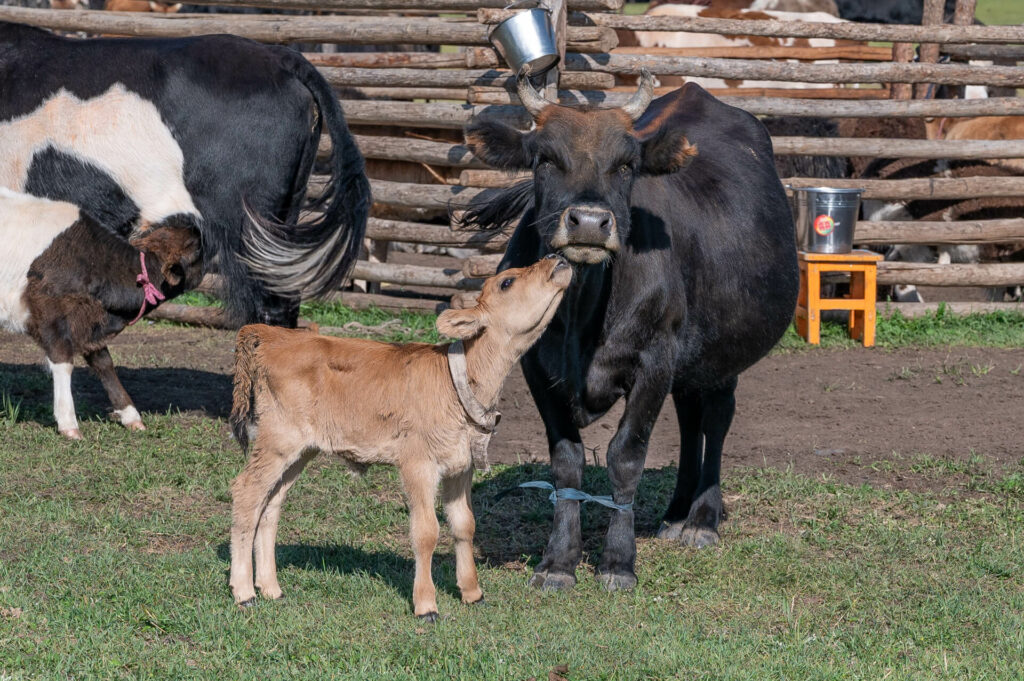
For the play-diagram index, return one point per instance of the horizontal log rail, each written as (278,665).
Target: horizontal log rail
(754,69)
(470,58)
(400,77)
(435,235)
(452,115)
(880,232)
(414,275)
(415,150)
(795,29)
(858,52)
(911,310)
(459,156)
(926,188)
(392,5)
(377,30)
(409,94)
(618,95)
(897,148)
(930,274)
(984,51)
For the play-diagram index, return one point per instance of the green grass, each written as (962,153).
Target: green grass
(935,329)
(113,559)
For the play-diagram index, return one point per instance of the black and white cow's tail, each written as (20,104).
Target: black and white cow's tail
(314,256)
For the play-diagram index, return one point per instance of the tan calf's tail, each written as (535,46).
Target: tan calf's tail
(246,376)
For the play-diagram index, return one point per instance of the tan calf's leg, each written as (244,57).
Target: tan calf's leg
(459,511)
(421,487)
(250,494)
(266,532)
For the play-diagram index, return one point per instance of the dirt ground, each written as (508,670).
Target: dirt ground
(817,411)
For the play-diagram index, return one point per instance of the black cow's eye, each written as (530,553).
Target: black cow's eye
(625,169)
(505,283)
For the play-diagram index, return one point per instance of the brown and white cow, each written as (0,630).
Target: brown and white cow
(72,286)
(715,11)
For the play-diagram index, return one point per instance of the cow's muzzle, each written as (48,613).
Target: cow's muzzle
(586,234)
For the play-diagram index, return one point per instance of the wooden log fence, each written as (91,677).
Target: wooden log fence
(480,85)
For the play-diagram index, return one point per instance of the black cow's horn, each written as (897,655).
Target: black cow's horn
(639,102)
(532,100)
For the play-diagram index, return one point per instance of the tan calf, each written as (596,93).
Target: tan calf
(298,393)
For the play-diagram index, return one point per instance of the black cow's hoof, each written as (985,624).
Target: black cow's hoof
(552,581)
(428,617)
(698,537)
(247,604)
(479,601)
(671,531)
(617,581)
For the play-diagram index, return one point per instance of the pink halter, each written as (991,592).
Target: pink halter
(151,294)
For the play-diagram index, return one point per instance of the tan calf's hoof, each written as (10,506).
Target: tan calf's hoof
(73,434)
(428,617)
(244,605)
(135,425)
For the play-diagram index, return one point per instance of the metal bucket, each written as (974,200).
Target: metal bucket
(825,218)
(526,38)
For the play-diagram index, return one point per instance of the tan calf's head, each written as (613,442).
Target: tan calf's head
(515,305)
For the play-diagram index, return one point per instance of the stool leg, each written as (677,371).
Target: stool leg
(801,304)
(870,296)
(813,303)
(856,324)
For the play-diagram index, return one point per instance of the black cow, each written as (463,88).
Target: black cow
(216,130)
(685,253)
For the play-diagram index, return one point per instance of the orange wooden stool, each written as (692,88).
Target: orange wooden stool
(862,266)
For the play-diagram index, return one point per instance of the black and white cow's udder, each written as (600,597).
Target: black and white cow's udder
(111,154)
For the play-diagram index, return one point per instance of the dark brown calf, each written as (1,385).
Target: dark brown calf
(72,286)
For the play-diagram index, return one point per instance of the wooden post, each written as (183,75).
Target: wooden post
(559,17)
(964,13)
(929,52)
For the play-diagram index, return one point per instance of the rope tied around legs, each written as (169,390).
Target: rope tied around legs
(569,493)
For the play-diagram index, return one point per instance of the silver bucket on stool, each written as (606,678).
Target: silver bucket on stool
(825,218)
(526,39)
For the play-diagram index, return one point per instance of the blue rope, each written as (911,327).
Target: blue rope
(576,495)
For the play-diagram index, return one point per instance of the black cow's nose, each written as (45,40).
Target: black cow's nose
(588,219)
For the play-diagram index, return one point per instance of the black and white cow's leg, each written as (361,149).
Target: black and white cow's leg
(60,359)
(691,454)
(557,568)
(701,526)
(626,454)
(125,411)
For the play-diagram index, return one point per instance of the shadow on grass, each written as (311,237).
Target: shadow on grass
(514,527)
(395,570)
(154,390)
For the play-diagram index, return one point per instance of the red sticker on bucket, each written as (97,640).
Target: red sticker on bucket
(824,224)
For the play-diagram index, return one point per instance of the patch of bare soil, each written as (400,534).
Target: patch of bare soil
(862,415)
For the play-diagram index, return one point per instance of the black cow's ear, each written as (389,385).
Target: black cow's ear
(666,151)
(499,145)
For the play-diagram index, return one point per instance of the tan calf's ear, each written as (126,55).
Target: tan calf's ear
(461,324)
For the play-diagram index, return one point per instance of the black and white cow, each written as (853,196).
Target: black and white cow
(684,247)
(216,130)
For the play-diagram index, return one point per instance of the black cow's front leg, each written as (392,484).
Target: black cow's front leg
(557,568)
(626,454)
